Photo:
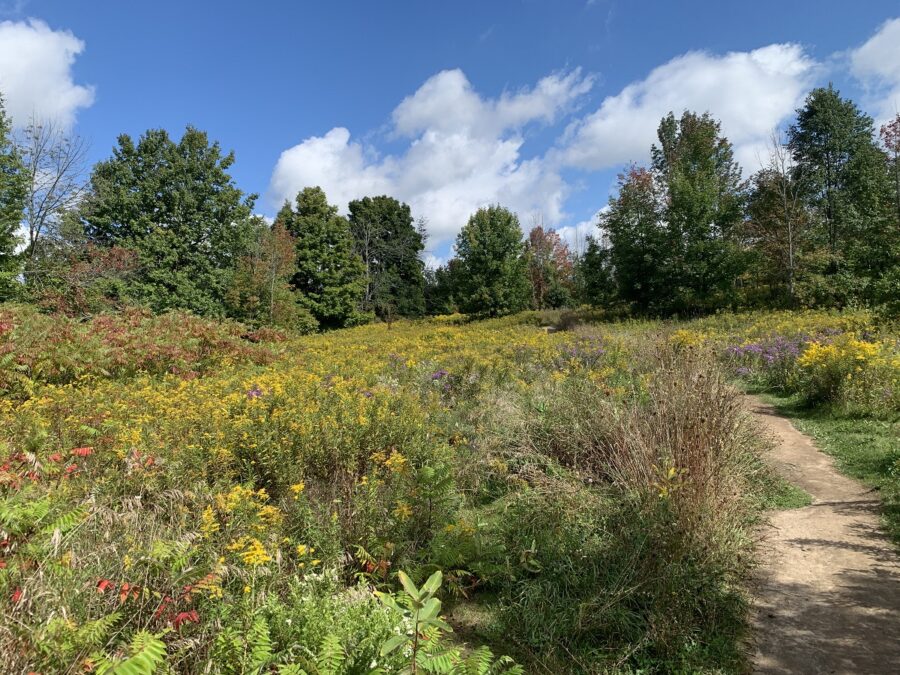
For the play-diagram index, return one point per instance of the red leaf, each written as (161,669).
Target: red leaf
(186,617)
(16,596)
(103,584)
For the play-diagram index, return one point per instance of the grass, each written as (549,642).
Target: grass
(864,448)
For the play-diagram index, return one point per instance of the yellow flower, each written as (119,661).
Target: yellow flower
(208,523)
(402,511)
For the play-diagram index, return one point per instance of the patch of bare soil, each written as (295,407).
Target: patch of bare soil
(828,594)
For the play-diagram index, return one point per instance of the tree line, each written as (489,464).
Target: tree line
(161,223)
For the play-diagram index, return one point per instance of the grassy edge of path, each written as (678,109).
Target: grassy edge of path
(864,448)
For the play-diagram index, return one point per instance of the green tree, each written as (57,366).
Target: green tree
(390,245)
(442,288)
(850,193)
(261,292)
(176,206)
(640,253)
(330,275)
(593,274)
(12,206)
(777,227)
(550,269)
(493,276)
(705,197)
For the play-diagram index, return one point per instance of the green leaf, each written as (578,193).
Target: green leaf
(392,643)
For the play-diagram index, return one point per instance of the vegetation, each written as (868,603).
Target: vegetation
(193,481)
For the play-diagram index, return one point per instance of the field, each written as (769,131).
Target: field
(197,497)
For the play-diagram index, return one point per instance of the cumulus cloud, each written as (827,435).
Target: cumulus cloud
(36,73)
(750,92)
(576,235)
(463,151)
(877,65)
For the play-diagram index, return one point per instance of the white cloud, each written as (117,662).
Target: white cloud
(751,93)
(463,152)
(877,64)
(576,235)
(36,73)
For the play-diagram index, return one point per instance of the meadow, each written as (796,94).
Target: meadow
(182,495)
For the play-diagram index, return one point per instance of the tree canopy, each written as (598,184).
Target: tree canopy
(177,207)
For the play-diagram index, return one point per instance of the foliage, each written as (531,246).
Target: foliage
(550,269)
(849,189)
(176,206)
(390,245)
(330,275)
(249,498)
(12,205)
(260,292)
(492,279)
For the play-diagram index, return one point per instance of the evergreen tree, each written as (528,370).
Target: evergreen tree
(390,245)
(493,277)
(330,275)
(176,206)
(12,205)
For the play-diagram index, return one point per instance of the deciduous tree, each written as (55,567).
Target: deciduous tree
(176,206)
(12,204)
(389,245)
(493,275)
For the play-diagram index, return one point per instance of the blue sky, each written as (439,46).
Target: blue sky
(448,105)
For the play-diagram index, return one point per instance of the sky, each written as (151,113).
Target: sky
(449,106)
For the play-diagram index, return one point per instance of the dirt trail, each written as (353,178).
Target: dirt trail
(828,598)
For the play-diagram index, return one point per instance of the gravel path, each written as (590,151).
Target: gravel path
(828,596)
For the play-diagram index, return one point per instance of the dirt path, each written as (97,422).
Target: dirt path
(828,599)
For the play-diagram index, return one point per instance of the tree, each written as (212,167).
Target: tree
(261,293)
(493,276)
(593,274)
(12,204)
(550,269)
(442,288)
(849,192)
(694,164)
(54,162)
(778,224)
(389,245)
(890,138)
(330,275)
(640,253)
(176,206)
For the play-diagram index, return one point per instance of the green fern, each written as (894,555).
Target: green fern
(94,633)
(260,644)
(148,652)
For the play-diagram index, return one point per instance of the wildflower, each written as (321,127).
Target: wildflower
(254,392)
(208,523)
(402,511)
(297,488)
(438,374)
(396,462)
